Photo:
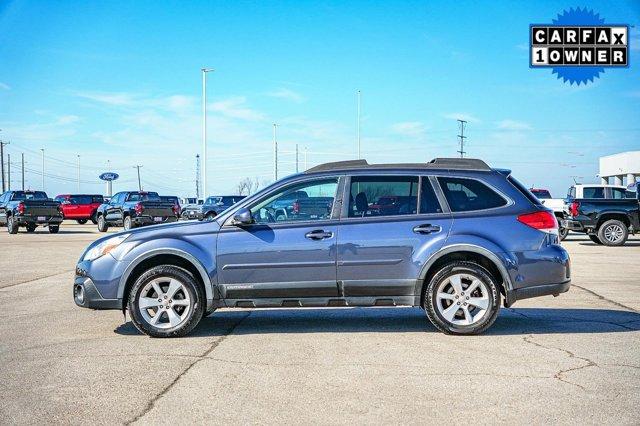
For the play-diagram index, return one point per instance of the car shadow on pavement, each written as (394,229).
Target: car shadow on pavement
(627,244)
(402,320)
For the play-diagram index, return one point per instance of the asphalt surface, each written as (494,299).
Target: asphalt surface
(571,359)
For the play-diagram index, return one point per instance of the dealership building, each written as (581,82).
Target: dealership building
(620,169)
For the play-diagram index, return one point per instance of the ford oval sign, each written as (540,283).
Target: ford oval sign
(109,176)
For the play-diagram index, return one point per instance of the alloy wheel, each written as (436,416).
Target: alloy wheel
(613,233)
(164,302)
(462,299)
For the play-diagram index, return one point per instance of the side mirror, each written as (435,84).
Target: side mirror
(243,217)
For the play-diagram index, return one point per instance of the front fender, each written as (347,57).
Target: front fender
(182,249)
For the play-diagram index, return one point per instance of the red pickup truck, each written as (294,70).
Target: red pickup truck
(81,207)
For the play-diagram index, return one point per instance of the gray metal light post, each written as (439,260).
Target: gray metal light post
(204,129)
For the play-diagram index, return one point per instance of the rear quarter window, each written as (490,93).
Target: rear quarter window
(524,191)
(465,195)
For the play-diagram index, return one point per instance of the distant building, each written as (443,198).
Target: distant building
(620,166)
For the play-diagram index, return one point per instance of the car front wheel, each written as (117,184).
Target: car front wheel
(102,224)
(166,301)
(462,298)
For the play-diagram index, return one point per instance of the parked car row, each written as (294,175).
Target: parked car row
(606,213)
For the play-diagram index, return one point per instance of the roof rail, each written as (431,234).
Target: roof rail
(436,163)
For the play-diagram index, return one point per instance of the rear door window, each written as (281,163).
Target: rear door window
(372,196)
(592,192)
(464,194)
(428,200)
(618,193)
(80,199)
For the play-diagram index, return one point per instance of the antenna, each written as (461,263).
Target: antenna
(462,138)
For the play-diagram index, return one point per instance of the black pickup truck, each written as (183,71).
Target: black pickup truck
(606,221)
(29,209)
(131,209)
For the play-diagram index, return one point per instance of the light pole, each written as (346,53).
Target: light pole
(78,172)
(275,152)
(139,181)
(204,129)
(358,126)
(42,149)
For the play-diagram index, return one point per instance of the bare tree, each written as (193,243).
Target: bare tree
(247,186)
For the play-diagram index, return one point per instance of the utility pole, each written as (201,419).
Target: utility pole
(139,181)
(78,173)
(358,127)
(275,152)
(204,129)
(305,158)
(462,137)
(9,171)
(197,177)
(22,155)
(296,158)
(42,149)
(2,144)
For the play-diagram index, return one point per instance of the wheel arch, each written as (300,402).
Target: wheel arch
(605,216)
(467,252)
(164,257)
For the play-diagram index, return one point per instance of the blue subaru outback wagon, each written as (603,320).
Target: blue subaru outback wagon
(452,236)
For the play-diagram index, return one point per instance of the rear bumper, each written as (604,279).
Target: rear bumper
(149,220)
(86,295)
(540,290)
(574,225)
(33,220)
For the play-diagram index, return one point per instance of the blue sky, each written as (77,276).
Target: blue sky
(120,82)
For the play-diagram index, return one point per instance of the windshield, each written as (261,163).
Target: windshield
(29,195)
(144,196)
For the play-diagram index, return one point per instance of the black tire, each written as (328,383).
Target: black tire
(12,226)
(470,269)
(53,229)
(81,221)
(562,233)
(94,219)
(128,223)
(613,233)
(210,216)
(102,224)
(595,238)
(31,228)
(195,293)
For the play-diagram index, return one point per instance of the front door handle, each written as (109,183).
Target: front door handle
(427,229)
(318,234)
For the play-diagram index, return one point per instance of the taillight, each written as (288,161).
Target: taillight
(544,221)
(139,208)
(21,208)
(176,210)
(573,208)
(296,207)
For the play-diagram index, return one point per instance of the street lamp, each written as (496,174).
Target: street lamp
(42,149)
(204,129)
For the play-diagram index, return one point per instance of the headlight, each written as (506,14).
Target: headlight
(104,247)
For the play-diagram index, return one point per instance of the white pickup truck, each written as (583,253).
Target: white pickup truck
(555,204)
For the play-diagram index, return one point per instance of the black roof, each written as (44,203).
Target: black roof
(436,163)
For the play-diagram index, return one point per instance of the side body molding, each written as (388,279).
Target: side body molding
(208,285)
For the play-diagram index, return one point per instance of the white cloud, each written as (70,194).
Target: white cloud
(4,86)
(409,128)
(235,107)
(288,94)
(118,99)
(513,125)
(68,119)
(462,116)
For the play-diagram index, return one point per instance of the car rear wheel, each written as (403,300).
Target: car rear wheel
(12,226)
(462,298)
(166,301)
(81,221)
(53,229)
(595,238)
(128,223)
(613,233)
(94,219)
(563,232)
(102,224)
(31,228)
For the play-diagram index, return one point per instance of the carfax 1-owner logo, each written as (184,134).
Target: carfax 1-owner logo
(578,46)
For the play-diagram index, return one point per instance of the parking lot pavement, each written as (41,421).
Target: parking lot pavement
(571,359)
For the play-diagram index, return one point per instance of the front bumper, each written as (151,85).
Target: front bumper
(192,215)
(86,295)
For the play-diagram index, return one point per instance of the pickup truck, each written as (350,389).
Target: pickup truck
(215,205)
(80,207)
(300,206)
(605,221)
(131,209)
(29,209)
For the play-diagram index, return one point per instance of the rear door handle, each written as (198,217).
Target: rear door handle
(318,234)
(427,229)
